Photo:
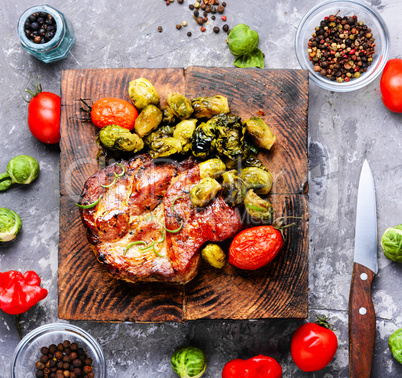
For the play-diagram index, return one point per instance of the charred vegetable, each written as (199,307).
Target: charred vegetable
(253,161)
(161,142)
(119,138)
(180,105)
(212,168)
(148,120)
(204,140)
(258,208)
(234,188)
(203,192)
(260,132)
(168,117)
(184,132)
(258,179)
(206,107)
(142,93)
(214,255)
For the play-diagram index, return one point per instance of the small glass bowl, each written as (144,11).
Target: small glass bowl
(346,8)
(27,352)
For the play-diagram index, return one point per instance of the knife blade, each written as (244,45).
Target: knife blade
(361,308)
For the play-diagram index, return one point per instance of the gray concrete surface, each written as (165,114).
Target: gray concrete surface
(343,130)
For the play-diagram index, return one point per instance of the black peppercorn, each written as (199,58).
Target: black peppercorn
(216,29)
(189,34)
(225,27)
(213,18)
(196,13)
(191,6)
(224,4)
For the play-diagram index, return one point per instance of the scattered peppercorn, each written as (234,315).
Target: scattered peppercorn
(213,18)
(224,4)
(216,29)
(189,34)
(178,26)
(200,20)
(40,27)
(223,18)
(191,6)
(225,27)
(180,1)
(203,29)
(184,23)
(160,29)
(221,9)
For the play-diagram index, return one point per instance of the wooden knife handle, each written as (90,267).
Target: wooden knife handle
(361,322)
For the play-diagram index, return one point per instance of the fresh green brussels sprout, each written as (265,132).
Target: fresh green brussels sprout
(391,243)
(204,140)
(5,181)
(184,131)
(189,362)
(161,142)
(260,132)
(258,179)
(206,107)
(180,105)
(23,169)
(395,345)
(258,208)
(242,40)
(203,192)
(116,137)
(212,168)
(142,93)
(168,117)
(148,120)
(214,255)
(234,188)
(10,224)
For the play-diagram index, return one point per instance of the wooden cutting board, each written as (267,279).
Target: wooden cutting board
(279,290)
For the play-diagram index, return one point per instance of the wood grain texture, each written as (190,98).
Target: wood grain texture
(87,292)
(361,322)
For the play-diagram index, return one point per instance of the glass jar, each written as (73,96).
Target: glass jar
(55,49)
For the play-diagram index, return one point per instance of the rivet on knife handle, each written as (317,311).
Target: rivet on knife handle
(361,323)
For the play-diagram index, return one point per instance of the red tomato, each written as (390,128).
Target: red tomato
(257,367)
(255,247)
(113,111)
(44,117)
(313,346)
(391,85)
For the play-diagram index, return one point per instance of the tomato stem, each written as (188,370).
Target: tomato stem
(38,89)
(323,322)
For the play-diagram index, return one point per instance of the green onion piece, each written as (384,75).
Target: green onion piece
(146,248)
(122,173)
(163,237)
(132,244)
(255,207)
(156,253)
(93,204)
(149,217)
(175,201)
(174,231)
(114,181)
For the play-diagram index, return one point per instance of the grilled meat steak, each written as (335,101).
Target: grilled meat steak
(145,228)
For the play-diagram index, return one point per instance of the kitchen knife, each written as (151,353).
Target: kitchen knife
(361,309)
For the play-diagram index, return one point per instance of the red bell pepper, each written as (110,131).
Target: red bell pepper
(18,292)
(257,367)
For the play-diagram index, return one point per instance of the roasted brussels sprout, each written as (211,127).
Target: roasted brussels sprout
(5,181)
(184,131)
(161,142)
(189,362)
(148,120)
(395,344)
(119,138)
(258,179)
(203,192)
(206,107)
(142,93)
(260,132)
(242,40)
(234,188)
(204,140)
(258,208)
(10,224)
(214,255)
(168,117)
(253,161)
(180,105)
(391,243)
(23,169)
(212,168)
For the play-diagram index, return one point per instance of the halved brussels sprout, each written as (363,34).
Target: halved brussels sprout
(212,168)
(204,140)
(168,117)
(234,188)
(180,104)
(119,138)
(10,224)
(23,169)
(258,208)
(253,161)
(5,181)
(214,255)
(258,179)
(260,132)
(184,131)
(161,142)
(206,107)
(148,120)
(142,93)
(203,192)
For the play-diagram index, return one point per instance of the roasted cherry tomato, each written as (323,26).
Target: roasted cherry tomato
(257,367)
(391,85)
(313,345)
(44,115)
(255,247)
(113,111)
